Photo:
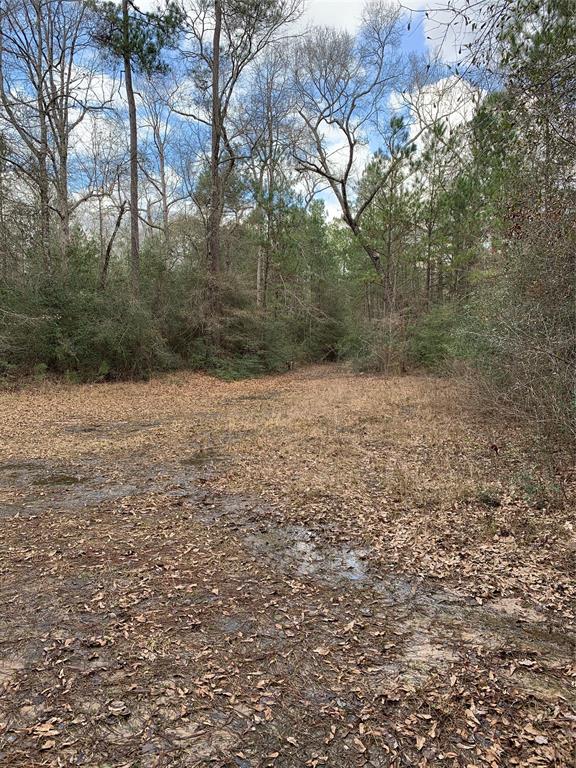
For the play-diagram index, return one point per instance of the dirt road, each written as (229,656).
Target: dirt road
(320,569)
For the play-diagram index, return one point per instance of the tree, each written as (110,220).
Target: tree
(159,96)
(522,314)
(137,39)
(46,92)
(266,123)
(225,37)
(342,83)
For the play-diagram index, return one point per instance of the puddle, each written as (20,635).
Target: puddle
(58,480)
(296,547)
(300,550)
(436,627)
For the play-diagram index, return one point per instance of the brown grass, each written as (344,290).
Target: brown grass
(146,630)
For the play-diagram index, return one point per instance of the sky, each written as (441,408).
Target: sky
(342,13)
(420,37)
(426,33)
(431,36)
(346,15)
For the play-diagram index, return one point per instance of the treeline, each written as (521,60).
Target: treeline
(164,178)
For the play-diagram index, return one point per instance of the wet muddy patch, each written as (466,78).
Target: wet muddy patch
(298,549)
(329,609)
(436,627)
(39,487)
(112,427)
(202,457)
(65,480)
(15,467)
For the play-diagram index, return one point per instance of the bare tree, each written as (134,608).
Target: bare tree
(344,84)
(267,123)
(160,150)
(225,37)
(45,93)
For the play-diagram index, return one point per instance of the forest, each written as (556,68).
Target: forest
(287,383)
(218,186)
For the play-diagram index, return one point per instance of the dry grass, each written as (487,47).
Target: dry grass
(143,629)
(389,460)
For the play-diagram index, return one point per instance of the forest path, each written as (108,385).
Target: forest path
(314,569)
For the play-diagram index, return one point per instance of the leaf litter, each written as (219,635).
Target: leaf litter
(307,570)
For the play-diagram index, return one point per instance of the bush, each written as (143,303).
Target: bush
(374,347)
(96,335)
(432,341)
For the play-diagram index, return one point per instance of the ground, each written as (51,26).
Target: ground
(316,569)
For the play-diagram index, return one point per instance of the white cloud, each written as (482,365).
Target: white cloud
(334,13)
(331,206)
(444,28)
(450,100)
(338,152)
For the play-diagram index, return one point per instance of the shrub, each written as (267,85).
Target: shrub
(431,341)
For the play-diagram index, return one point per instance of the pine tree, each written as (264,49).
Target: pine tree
(137,39)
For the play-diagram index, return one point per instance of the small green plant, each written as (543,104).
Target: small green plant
(539,490)
(39,371)
(103,370)
(431,342)
(489,498)
(72,377)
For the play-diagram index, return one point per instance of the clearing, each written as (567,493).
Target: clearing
(316,569)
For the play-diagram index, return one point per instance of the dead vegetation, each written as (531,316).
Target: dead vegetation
(307,570)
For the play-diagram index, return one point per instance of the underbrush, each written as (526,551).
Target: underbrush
(429,342)
(97,335)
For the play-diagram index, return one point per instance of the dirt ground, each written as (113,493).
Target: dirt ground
(316,569)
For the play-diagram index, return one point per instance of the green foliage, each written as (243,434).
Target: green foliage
(39,371)
(359,346)
(432,340)
(373,348)
(70,325)
(143,38)
(471,231)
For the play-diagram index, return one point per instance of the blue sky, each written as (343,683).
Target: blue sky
(346,14)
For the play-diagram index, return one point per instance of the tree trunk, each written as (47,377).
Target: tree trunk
(259,276)
(63,206)
(4,252)
(215,215)
(429,264)
(106,256)
(42,153)
(44,198)
(265,275)
(132,119)
(164,194)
